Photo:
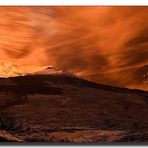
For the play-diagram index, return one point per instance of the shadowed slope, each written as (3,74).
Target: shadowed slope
(54,105)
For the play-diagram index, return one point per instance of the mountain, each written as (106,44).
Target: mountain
(48,71)
(53,106)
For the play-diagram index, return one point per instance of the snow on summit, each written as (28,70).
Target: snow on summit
(50,70)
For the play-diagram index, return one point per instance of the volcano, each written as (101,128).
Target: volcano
(50,70)
(54,106)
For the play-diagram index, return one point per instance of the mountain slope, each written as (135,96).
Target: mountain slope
(63,107)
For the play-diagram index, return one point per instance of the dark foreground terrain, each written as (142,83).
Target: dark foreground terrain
(64,108)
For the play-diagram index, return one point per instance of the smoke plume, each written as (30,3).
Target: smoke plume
(104,44)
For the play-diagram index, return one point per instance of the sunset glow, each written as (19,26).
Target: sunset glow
(104,44)
(74,74)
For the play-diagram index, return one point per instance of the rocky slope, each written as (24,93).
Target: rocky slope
(56,107)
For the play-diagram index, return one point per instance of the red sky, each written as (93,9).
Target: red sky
(105,44)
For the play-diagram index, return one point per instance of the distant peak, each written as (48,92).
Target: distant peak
(50,70)
(52,67)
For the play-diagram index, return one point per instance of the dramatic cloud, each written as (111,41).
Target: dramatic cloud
(103,44)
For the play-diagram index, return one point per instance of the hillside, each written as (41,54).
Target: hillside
(62,107)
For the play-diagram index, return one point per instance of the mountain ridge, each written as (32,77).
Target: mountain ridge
(57,105)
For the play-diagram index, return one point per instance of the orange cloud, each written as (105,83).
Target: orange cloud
(105,44)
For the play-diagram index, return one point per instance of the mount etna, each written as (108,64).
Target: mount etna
(54,106)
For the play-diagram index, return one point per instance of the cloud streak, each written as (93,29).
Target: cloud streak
(103,44)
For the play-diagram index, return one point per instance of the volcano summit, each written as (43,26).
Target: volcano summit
(53,106)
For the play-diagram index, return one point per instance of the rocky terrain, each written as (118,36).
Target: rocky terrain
(53,106)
